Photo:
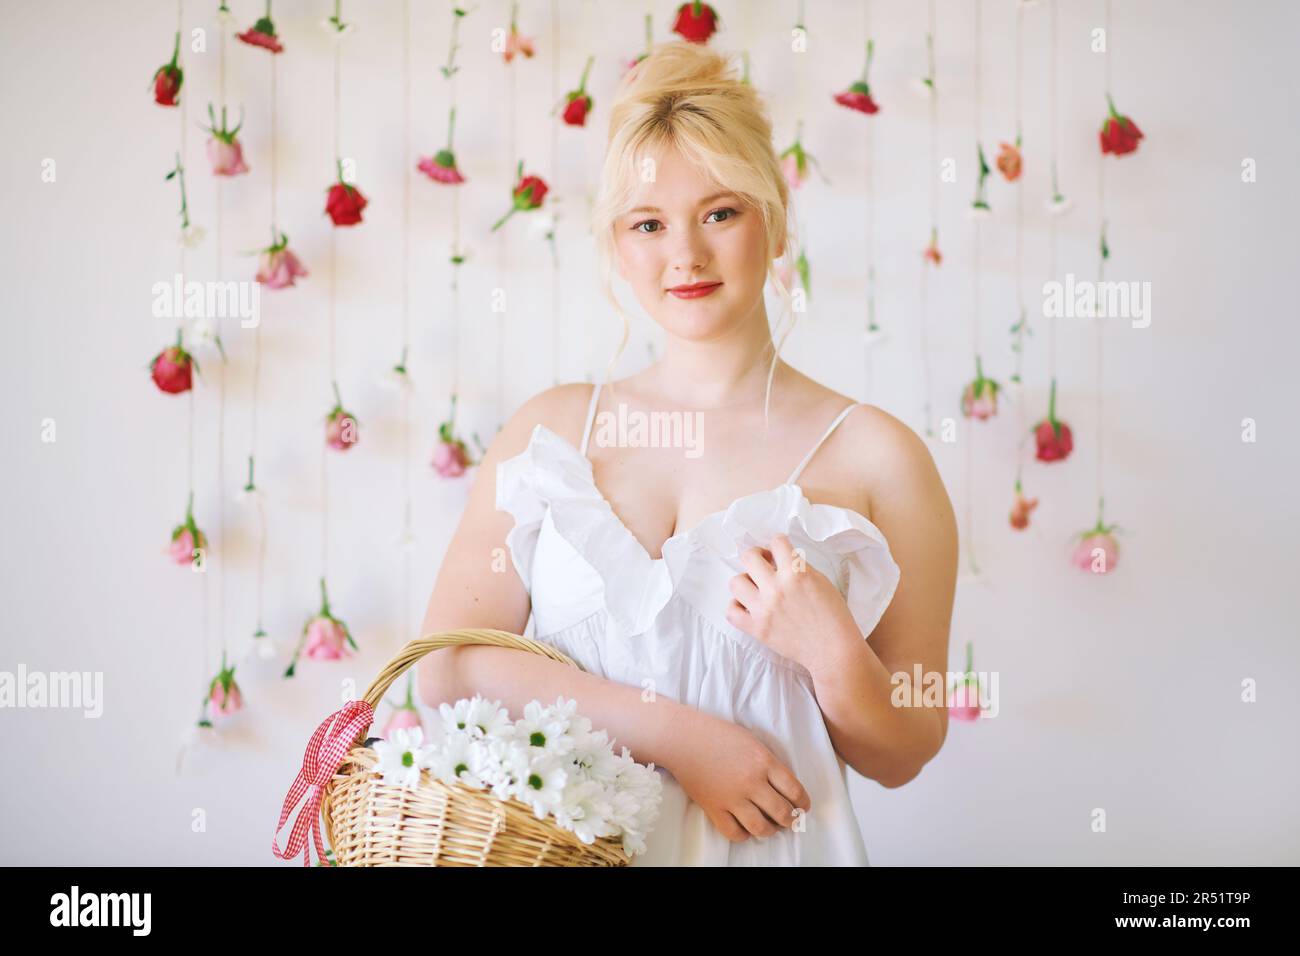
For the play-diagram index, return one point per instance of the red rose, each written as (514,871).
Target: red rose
(1053,444)
(534,199)
(1119,134)
(858,97)
(575,114)
(170,368)
(1051,435)
(579,103)
(262,33)
(696,22)
(345,203)
(167,79)
(528,194)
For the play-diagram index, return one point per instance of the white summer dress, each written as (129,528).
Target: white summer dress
(599,597)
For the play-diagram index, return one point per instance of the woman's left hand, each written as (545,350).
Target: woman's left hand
(789,605)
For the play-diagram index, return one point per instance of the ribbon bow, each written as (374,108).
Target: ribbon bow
(325,751)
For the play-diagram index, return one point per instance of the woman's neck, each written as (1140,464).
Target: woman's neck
(726,372)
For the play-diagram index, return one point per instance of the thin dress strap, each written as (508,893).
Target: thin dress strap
(794,476)
(591,416)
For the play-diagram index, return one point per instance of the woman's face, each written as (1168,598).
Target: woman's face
(686,230)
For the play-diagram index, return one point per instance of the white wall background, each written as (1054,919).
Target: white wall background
(1120,693)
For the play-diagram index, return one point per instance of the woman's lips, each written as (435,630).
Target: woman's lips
(696,291)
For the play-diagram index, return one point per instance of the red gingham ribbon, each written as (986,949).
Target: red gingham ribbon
(325,751)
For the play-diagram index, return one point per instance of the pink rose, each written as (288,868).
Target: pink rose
(227,158)
(964,702)
(402,719)
(450,459)
(326,640)
(182,547)
(325,637)
(1102,563)
(278,268)
(341,432)
(226,702)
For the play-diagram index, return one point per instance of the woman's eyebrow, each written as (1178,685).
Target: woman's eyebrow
(702,202)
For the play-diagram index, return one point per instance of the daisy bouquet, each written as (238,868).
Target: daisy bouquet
(550,760)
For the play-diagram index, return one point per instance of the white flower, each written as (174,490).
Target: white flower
(978,211)
(223,15)
(455,760)
(249,497)
(1059,205)
(336,30)
(405,540)
(396,380)
(544,224)
(546,728)
(481,718)
(922,87)
(402,757)
(265,647)
(203,333)
(542,785)
(873,337)
(191,236)
(1027,4)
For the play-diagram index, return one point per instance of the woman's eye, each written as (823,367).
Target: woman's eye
(729,210)
(646,222)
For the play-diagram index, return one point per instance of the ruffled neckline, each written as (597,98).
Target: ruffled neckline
(561,478)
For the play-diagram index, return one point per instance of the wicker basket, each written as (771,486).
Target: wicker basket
(372,823)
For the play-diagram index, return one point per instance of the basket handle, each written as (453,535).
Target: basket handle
(415,650)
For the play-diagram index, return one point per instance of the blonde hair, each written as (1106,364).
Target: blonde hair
(687,96)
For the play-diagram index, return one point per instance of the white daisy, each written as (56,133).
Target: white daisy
(337,30)
(480,717)
(545,728)
(1059,205)
(191,236)
(396,380)
(542,785)
(455,761)
(922,87)
(405,540)
(402,757)
(873,337)
(978,212)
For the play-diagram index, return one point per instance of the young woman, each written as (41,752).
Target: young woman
(718,598)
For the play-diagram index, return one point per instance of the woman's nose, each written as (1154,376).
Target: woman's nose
(690,253)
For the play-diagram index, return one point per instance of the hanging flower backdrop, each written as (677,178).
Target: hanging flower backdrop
(998,366)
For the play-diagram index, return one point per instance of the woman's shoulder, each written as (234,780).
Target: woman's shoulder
(560,408)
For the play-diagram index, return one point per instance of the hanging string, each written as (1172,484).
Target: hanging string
(257,379)
(969,478)
(1056,132)
(555,167)
(1101,265)
(221,372)
(505,240)
(1020,244)
(871,228)
(931,24)
(324,475)
(405,619)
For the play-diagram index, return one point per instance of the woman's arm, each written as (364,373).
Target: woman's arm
(853,681)
(477,586)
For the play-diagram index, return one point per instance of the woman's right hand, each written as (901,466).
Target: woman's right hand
(741,785)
